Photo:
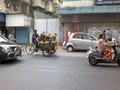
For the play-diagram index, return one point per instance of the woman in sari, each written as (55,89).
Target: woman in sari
(104,49)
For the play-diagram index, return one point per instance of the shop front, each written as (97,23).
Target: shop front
(2,24)
(20,24)
(93,20)
(93,23)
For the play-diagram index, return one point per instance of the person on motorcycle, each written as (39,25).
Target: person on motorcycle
(35,37)
(103,48)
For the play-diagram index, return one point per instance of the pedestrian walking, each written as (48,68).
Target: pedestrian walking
(11,37)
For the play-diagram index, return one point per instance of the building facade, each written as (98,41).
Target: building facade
(2,18)
(46,19)
(16,19)
(92,16)
(18,16)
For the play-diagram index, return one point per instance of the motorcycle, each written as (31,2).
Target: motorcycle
(95,57)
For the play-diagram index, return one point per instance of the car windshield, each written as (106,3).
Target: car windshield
(3,39)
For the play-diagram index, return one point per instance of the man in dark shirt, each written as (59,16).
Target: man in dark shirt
(35,37)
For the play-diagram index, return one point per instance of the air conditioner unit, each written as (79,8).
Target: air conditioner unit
(7,5)
(15,7)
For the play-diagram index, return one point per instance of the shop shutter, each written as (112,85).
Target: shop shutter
(22,35)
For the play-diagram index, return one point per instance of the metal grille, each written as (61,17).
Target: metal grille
(16,48)
(24,8)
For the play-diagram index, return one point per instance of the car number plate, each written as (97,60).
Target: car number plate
(17,53)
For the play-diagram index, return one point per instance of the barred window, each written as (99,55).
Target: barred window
(7,3)
(24,8)
(15,4)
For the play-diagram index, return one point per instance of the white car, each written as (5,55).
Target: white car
(81,41)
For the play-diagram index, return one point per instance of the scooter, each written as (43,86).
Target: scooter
(95,57)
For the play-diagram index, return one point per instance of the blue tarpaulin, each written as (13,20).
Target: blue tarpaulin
(2,17)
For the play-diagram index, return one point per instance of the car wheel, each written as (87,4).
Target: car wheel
(70,49)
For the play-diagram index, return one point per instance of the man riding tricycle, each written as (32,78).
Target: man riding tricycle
(46,43)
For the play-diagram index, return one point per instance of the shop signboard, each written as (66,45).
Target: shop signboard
(107,2)
(18,20)
(75,19)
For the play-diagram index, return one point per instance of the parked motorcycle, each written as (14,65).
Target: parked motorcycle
(95,57)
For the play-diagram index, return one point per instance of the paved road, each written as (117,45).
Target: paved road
(63,71)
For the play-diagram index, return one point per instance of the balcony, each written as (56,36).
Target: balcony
(56,2)
(26,1)
(49,7)
(38,3)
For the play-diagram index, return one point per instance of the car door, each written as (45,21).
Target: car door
(77,41)
(89,41)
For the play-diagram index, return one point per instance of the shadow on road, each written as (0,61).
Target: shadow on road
(107,65)
(12,62)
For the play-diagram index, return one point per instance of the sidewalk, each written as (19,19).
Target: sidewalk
(62,52)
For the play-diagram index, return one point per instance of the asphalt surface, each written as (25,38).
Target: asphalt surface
(62,71)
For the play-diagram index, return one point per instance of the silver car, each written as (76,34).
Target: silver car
(81,41)
(8,50)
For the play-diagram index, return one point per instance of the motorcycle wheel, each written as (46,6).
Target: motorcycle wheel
(92,61)
(118,62)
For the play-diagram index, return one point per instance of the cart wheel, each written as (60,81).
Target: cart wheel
(30,49)
(46,52)
(52,51)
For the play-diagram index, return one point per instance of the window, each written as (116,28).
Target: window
(87,37)
(7,3)
(24,8)
(2,39)
(78,36)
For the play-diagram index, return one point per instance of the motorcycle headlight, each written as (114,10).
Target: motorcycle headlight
(6,50)
(88,53)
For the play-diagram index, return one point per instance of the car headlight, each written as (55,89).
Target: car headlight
(6,50)
(3,50)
